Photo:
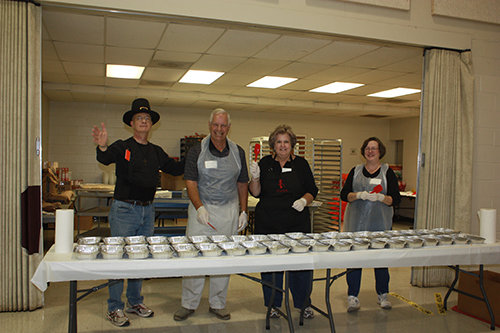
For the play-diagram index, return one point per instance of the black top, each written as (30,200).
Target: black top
(137,168)
(392,184)
(280,187)
(191,170)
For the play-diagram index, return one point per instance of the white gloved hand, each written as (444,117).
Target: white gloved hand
(242,221)
(254,170)
(380,197)
(362,195)
(372,196)
(299,204)
(202,215)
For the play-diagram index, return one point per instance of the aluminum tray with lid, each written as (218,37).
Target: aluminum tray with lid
(395,243)
(89,240)
(460,239)
(116,240)
(86,252)
(130,240)
(414,242)
(362,234)
(430,240)
(185,250)
(112,251)
(254,247)
(394,233)
(314,235)
(476,239)
(219,238)
(153,240)
(276,247)
(378,243)
(345,235)
(444,239)
(209,249)
(238,238)
(360,244)
(199,239)
(296,235)
(259,238)
(233,248)
(329,234)
(445,231)
(178,240)
(408,232)
(295,245)
(380,234)
(342,245)
(315,244)
(422,232)
(137,251)
(277,237)
(161,251)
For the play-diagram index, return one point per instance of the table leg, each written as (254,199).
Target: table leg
(72,324)
(327,300)
(481,286)
(287,302)
(452,287)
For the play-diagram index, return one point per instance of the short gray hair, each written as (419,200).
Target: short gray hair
(219,111)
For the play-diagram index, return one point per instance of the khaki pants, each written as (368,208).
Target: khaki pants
(192,288)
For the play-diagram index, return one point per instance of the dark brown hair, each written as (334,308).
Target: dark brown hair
(381,147)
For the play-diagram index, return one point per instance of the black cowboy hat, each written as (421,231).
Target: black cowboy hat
(140,105)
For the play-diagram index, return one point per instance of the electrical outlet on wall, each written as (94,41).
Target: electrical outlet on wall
(353,151)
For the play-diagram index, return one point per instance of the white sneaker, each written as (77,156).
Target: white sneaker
(384,302)
(352,304)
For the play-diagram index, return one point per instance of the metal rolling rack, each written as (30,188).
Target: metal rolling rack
(325,158)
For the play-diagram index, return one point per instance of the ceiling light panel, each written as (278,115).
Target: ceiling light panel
(391,93)
(336,87)
(271,82)
(124,71)
(200,77)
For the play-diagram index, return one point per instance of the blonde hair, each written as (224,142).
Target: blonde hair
(282,129)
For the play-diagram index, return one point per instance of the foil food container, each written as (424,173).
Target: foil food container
(209,249)
(315,245)
(86,252)
(238,238)
(329,234)
(185,250)
(430,240)
(276,247)
(199,239)
(380,234)
(414,242)
(295,245)
(137,251)
(89,240)
(219,238)
(178,239)
(314,235)
(296,235)
(154,240)
(259,238)
(460,239)
(395,243)
(360,244)
(342,245)
(113,240)
(475,239)
(378,243)
(131,240)
(445,231)
(161,251)
(444,240)
(254,247)
(362,234)
(345,235)
(233,248)
(112,251)
(277,237)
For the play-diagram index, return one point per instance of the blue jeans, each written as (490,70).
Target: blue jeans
(128,220)
(300,283)
(381,281)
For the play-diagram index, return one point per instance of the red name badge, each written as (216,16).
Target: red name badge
(127,155)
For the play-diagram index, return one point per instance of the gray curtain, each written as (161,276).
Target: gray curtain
(20,158)
(446,139)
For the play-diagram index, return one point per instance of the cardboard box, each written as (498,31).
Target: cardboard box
(477,308)
(172,183)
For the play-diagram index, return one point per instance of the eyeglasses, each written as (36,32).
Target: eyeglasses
(371,149)
(141,118)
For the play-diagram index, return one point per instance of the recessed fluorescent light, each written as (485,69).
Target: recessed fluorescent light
(395,92)
(271,82)
(200,77)
(124,71)
(336,87)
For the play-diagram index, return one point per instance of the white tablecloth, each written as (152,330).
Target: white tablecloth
(65,267)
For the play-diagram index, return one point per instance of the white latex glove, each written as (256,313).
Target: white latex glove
(299,204)
(380,197)
(254,170)
(202,215)
(372,196)
(242,221)
(362,195)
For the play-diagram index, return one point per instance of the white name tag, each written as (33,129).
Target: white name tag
(211,164)
(375,181)
(283,170)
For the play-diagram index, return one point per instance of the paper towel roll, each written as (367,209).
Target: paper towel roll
(64,230)
(488,224)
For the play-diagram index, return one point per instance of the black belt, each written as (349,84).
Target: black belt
(138,203)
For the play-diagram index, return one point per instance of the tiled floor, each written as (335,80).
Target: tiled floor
(247,310)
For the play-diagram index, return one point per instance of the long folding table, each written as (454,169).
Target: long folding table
(57,267)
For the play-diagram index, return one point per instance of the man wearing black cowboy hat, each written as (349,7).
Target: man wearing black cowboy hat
(138,162)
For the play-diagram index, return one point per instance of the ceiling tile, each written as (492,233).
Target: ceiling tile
(373,76)
(76,28)
(163,74)
(259,66)
(127,56)
(58,95)
(337,73)
(132,33)
(406,81)
(242,43)
(383,56)
(54,77)
(80,52)
(112,82)
(78,68)
(49,51)
(50,66)
(291,48)
(302,85)
(235,80)
(176,57)
(299,69)
(189,38)
(339,52)
(217,63)
(410,65)
(86,80)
